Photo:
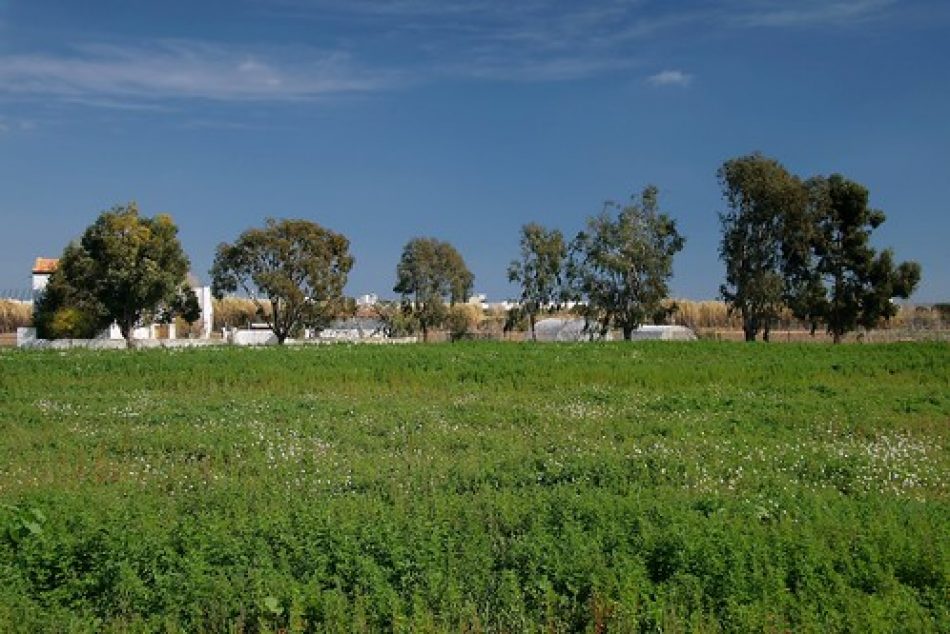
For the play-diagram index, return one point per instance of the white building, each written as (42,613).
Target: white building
(42,269)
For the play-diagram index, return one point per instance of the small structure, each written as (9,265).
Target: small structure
(368,299)
(256,334)
(562,329)
(573,329)
(352,329)
(664,333)
(42,269)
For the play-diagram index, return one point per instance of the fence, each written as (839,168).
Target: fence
(16,294)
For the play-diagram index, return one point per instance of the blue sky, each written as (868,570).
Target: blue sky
(462,120)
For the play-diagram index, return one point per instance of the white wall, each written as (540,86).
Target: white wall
(207,310)
(40,280)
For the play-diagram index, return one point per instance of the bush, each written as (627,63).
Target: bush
(72,323)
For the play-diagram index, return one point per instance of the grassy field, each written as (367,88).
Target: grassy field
(477,487)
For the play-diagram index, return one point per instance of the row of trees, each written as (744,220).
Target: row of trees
(617,268)
(785,243)
(804,244)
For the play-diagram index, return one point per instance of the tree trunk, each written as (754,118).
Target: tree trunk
(534,335)
(836,337)
(425,333)
(749,327)
(125,327)
(627,333)
(766,332)
(280,338)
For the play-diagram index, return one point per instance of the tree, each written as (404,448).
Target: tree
(621,266)
(429,272)
(848,284)
(293,270)
(539,271)
(763,238)
(122,270)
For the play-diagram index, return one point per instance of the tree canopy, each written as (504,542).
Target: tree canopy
(766,206)
(123,269)
(429,273)
(293,270)
(620,266)
(846,283)
(539,270)
(805,246)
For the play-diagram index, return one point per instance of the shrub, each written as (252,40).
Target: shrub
(72,323)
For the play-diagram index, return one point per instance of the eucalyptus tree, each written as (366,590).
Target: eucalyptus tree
(539,271)
(620,265)
(849,284)
(764,239)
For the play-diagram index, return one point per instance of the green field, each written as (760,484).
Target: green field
(477,487)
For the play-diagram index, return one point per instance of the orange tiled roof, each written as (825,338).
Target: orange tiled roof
(45,265)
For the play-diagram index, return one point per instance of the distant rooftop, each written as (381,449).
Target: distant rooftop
(48,265)
(45,265)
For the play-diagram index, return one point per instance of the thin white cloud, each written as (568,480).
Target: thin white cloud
(16,125)
(406,41)
(541,69)
(670,78)
(617,15)
(186,70)
(556,40)
(773,13)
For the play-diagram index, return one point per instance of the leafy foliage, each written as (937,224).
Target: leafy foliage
(847,284)
(762,238)
(293,270)
(621,267)
(805,246)
(429,273)
(540,270)
(124,269)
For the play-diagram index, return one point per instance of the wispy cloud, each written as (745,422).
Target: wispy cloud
(555,40)
(394,43)
(16,125)
(528,40)
(670,78)
(167,70)
(774,13)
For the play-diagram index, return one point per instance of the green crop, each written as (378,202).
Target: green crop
(477,487)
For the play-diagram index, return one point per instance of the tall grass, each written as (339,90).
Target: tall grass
(234,312)
(15,314)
